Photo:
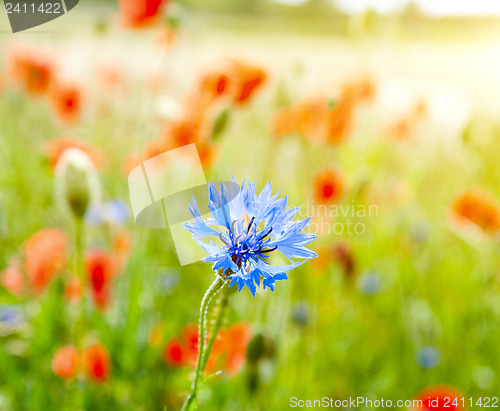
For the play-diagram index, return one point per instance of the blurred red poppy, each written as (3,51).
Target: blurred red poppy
(65,362)
(317,119)
(247,80)
(12,278)
(358,90)
(96,363)
(175,353)
(31,69)
(329,186)
(66,101)
(476,207)
(340,120)
(122,244)
(192,340)
(45,255)
(208,154)
(345,258)
(308,118)
(213,84)
(235,79)
(227,353)
(235,342)
(140,13)
(100,267)
(440,398)
(401,129)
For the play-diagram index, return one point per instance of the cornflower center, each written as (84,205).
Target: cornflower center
(249,244)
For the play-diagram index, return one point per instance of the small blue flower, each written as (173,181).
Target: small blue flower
(250,228)
(429,357)
(11,316)
(301,313)
(369,283)
(110,212)
(168,280)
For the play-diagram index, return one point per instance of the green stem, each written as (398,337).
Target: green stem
(190,402)
(222,303)
(79,248)
(76,402)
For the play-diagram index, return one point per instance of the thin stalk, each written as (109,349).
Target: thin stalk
(76,394)
(190,402)
(222,303)
(79,248)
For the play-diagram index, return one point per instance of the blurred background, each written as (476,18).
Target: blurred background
(378,117)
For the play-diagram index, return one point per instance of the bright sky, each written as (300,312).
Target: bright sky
(432,7)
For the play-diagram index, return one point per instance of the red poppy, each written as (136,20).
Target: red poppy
(66,101)
(182,351)
(362,89)
(45,255)
(208,154)
(401,129)
(237,80)
(476,207)
(329,186)
(316,120)
(96,363)
(440,398)
(192,342)
(140,13)
(247,80)
(32,70)
(175,353)
(345,258)
(215,361)
(100,267)
(214,84)
(12,278)
(340,120)
(122,243)
(308,118)
(228,350)
(65,362)
(236,341)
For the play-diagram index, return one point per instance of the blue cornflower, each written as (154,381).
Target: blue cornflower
(250,228)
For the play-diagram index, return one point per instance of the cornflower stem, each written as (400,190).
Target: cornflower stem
(190,402)
(222,305)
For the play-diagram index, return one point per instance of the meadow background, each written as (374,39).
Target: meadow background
(397,112)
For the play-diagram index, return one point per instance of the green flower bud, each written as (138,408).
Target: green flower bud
(76,181)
